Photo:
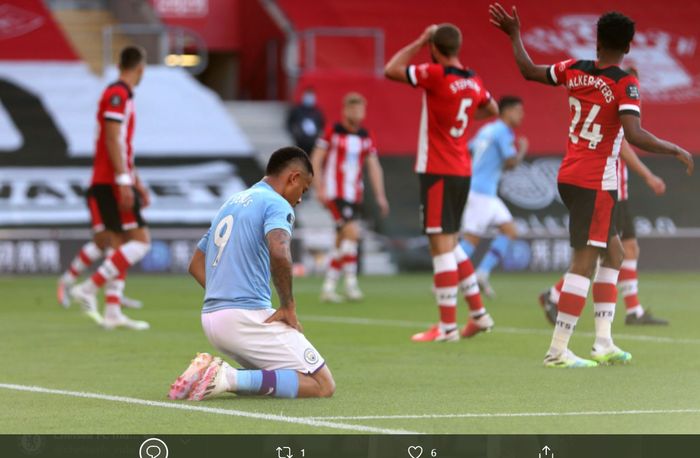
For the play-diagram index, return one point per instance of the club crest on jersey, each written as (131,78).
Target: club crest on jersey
(310,356)
(116,100)
(632,91)
(290,218)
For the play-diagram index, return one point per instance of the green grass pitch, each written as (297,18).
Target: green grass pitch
(493,383)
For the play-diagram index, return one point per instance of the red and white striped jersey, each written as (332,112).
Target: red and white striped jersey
(622,180)
(451,96)
(597,98)
(116,105)
(346,153)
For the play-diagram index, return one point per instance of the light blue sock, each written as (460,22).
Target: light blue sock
(248,382)
(496,253)
(467,247)
(282,383)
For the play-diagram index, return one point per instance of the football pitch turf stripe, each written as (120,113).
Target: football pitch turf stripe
(506,330)
(508,414)
(203,409)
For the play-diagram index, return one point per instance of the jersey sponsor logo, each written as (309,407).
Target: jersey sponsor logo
(310,356)
(423,69)
(632,91)
(658,55)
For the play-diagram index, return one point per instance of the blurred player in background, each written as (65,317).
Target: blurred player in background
(248,244)
(116,196)
(452,95)
(605,103)
(493,150)
(627,282)
(338,160)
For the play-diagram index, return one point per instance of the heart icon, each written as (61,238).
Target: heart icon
(415,451)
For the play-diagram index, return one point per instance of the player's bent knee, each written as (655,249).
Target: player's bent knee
(326,383)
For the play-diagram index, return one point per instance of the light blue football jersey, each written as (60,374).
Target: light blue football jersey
(490,147)
(237,256)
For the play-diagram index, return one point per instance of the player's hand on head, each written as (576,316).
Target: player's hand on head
(126,198)
(428,34)
(656,184)
(504,21)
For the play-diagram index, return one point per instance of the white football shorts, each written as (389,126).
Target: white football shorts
(244,336)
(482,212)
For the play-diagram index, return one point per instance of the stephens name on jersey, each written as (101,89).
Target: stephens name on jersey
(451,96)
(597,98)
(116,105)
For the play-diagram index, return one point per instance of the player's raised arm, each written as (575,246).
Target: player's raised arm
(279,244)
(639,137)
(510,25)
(396,68)
(655,183)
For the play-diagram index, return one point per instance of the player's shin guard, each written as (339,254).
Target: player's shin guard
(628,286)
(446,281)
(281,383)
(571,303)
(497,251)
(468,283)
(333,272)
(348,250)
(88,254)
(126,256)
(604,299)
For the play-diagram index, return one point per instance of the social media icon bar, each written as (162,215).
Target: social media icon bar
(153,448)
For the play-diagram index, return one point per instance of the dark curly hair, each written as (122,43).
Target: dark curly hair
(615,31)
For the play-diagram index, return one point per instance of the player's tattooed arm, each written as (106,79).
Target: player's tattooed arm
(279,244)
(197,269)
(395,69)
(510,25)
(639,137)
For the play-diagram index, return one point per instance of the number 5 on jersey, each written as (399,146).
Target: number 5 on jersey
(462,118)
(222,234)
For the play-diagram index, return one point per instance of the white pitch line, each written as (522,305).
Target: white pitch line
(506,330)
(508,415)
(212,410)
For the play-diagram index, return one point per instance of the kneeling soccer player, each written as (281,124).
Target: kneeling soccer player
(249,242)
